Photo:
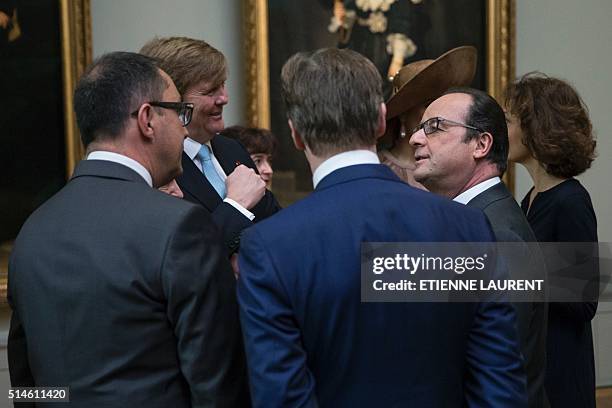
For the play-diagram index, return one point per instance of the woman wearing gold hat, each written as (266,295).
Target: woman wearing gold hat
(414,87)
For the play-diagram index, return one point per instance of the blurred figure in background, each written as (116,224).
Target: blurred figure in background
(261,145)
(551,135)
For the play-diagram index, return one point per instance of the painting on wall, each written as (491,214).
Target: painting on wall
(44,46)
(391,33)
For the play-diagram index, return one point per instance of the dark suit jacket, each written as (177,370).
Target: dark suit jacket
(510,225)
(310,339)
(124,294)
(198,190)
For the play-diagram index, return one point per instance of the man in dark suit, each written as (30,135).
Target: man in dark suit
(218,172)
(310,340)
(120,292)
(461,151)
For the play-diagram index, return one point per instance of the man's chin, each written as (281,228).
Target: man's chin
(217,126)
(419,178)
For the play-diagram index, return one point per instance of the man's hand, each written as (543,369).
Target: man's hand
(245,186)
(172,188)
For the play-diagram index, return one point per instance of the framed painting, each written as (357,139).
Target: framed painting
(276,29)
(44,47)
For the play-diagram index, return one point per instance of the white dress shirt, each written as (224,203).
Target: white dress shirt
(191,149)
(473,191)
(124,160)
(345,159)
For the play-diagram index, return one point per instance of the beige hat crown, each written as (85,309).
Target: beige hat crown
(422,81)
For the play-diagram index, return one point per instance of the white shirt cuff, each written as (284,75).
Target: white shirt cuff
(240,208)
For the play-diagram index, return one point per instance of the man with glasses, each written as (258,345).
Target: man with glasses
(218,172)
(461,151)
(120,292)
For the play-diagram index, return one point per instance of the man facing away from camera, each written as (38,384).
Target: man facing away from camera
(121,292)
(309,339)
(461,152)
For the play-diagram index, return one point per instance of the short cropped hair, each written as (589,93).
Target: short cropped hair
(555,123)
(113,86)
(255,140)
(486,115)
(332,98)
(188,61)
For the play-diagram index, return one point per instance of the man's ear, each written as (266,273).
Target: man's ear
(381,126)
(484,143)
(297,139)
(145,120)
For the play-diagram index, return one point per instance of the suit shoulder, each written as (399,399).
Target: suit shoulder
(372,196)
(227,149)
(502,205)
(163,203)
(454,207)
(152,206)
(227,143)
(508,221)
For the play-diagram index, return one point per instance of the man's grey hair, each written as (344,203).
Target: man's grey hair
(333,98)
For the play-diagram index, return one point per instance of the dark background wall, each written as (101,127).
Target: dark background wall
(32,146)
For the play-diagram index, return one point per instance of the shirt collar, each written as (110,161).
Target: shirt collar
(192,148)
(473,191)
(124,160)
(341,160)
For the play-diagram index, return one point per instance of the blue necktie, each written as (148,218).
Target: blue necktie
(208,168)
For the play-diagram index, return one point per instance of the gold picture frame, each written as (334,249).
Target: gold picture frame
(76,54)
(500,58)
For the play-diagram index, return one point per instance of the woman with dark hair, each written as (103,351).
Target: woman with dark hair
(551,135)
(261,145)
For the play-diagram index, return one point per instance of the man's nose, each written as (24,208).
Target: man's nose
(222,98)
(418,138)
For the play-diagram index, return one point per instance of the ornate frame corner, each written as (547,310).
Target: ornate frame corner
(76,54)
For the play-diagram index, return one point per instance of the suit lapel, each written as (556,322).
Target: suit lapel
(193,182)
(224,154)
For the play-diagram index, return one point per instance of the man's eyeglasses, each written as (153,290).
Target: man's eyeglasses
(433,125)
(183,109)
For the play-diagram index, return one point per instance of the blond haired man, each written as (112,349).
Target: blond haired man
(218,172)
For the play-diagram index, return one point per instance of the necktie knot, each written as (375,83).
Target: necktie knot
(204,153)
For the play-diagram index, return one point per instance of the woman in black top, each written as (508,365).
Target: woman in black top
(551,135)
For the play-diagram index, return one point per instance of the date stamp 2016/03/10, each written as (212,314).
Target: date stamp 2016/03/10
(39,394)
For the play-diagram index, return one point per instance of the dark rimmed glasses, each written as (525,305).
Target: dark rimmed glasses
(183,109)
(433,125)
